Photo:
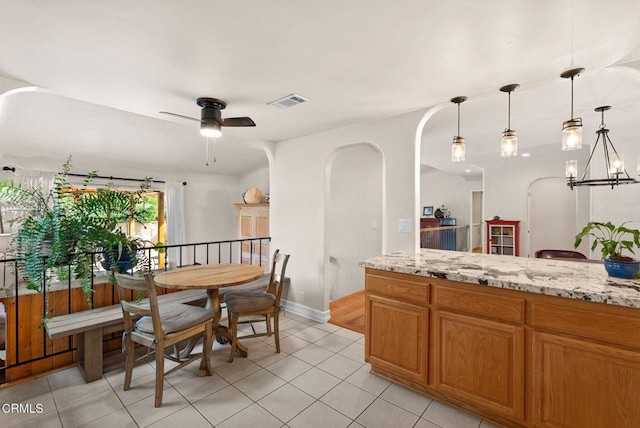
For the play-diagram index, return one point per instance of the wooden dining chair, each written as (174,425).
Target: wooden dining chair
(255,306)
(159,327)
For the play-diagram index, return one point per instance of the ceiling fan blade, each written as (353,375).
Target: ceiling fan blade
(179,115)
(238,121)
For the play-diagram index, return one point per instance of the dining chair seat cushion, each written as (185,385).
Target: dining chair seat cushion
(175,317)
(241,294)
(250,302)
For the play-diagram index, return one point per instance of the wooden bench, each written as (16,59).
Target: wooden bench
(92,325)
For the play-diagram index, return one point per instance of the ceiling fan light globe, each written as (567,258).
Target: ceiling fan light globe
(509,144)
(572,134)
(211,130)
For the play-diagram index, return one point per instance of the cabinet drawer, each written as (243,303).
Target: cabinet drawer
(398,286)
(600,325)
(485,304)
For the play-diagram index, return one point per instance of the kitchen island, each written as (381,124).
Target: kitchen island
(521,342)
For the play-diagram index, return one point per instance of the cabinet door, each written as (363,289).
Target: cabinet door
(397,337)
(246,226)
(582,384)
(262,226)
(480,362)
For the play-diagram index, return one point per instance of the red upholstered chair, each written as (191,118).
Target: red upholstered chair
(559,254)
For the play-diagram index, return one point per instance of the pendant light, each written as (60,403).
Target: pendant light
(509,141)
(572,128)
(458,149)
(615,172)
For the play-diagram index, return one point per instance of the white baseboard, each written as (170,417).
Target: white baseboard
(306,311)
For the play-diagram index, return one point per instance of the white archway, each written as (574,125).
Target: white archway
(354,215)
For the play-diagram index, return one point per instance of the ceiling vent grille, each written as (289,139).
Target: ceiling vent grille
(289,101)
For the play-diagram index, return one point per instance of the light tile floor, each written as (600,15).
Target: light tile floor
(319,379)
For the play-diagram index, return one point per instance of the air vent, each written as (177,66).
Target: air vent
(289,101)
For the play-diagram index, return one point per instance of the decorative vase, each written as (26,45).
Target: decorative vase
(622,268)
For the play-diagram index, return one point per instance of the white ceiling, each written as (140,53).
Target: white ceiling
(110,66)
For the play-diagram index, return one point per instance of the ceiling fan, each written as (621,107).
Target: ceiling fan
(211,121)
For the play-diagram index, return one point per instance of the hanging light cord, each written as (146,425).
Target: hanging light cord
(509,114)
(572,97)
(214,151)
(458,119)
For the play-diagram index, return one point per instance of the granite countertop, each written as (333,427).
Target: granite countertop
(570,279)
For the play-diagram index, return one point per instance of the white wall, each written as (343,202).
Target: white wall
(354,217)
(506,187)
(298,200)
(258,178)
(439,187)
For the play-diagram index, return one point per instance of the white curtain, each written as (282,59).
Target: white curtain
(30,180)
(176,230)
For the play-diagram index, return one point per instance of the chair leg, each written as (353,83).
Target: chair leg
(276,327)
(159,374)
(267,319)
(205,361)
(129,361)
(233,320)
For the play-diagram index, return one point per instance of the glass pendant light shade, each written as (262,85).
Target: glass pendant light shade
(572,134)
(458,150)
(509,144)
(572,128)
(571,169)
(616,165)
(509,141)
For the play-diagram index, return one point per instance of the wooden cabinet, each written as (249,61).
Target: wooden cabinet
(503,237)
(480,361)
(397,303)
(518,359)
(582,384)
(253,222)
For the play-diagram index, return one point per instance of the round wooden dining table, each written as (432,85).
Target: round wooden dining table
(211,278)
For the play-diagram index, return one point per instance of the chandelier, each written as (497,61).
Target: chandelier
(614,163)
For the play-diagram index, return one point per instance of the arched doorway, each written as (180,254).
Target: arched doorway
(353,216)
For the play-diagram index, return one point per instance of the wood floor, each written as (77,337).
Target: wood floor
(348,312)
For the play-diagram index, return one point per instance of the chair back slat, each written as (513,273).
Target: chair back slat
(276,280)
(129,306)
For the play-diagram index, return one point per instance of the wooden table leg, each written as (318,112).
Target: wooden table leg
(90,354)
(223,335)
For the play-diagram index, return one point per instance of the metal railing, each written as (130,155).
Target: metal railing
(13,291)
(453,238)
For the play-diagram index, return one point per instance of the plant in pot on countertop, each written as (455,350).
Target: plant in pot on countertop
(614,240)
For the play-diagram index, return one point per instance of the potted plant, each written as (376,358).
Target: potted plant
(39,241)
(614,240)
(64,226)
(96,218)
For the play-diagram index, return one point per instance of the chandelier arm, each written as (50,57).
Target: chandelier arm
(607,160)
(586,168)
